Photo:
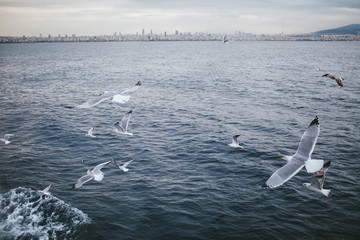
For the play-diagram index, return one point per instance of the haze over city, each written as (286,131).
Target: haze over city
(90,17)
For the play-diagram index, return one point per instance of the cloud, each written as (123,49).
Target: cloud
(90,17)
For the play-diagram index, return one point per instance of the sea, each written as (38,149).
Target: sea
(184,182)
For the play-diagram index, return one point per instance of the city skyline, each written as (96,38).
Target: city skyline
(90,17)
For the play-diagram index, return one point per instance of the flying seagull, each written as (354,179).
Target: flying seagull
(301,158)
(122,126)
(336,78)
(6,138)
(317,181)
(90,132)
(95,174)
(225,39)
(46,190)
(123,167)
(115,96)
(235,142)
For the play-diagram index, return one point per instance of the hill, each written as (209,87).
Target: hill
(348,29)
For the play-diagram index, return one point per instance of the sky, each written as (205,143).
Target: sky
(105,17)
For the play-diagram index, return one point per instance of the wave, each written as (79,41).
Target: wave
(29,214)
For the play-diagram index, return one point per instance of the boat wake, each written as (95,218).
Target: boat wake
(30,214)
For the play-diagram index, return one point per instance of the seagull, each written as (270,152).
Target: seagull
(317,68)
(6,138)
(122,126)
(46,190)
(301,158)
(90,132)
(95,174)
(225,39)
(123,167)
(115,96)
(235,142)
(317,181)
(336,78)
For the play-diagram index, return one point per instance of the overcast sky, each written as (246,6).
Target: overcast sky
(98,17)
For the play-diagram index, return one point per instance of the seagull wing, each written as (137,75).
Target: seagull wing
(117,126)
(315,182)
(283,174)
(308,141)
(234,139)
(127,163)
(46,190)
(132,89)
(6,137)
(95,101)
(97,168)
(339,81)
(125,121)
(320,175)
(82,180)
(90,132)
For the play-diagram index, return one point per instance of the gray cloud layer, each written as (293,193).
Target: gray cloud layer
(91,17)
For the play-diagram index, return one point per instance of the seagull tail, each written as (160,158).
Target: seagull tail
(326,192)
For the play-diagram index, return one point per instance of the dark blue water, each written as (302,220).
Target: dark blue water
(184,182)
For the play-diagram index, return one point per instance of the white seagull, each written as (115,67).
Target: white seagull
(46,190)
(90,132)
(301,158)
(115,96)
(122,126)
(6,138)
(95,174)
(123,167)
(317,181)
(235,142)
(225,39)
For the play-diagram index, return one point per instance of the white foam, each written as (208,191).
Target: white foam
(27,213)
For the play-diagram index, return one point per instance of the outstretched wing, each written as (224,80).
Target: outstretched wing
(83,180)
(46,190)
(127,163)
(97,168)
(6,137)
(320,175)
(125,121)
(132,89)
(234,139)
(308,141)
(283,174)
(95,101)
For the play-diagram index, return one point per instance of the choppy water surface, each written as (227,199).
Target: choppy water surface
(184,182)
